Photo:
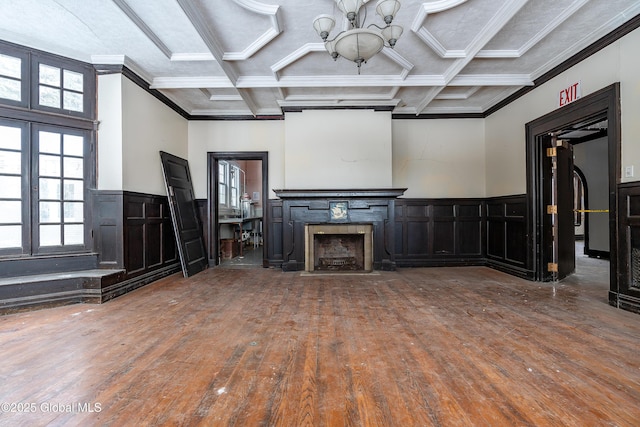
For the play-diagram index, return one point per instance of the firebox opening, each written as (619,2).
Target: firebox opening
(339,247)
(338,252)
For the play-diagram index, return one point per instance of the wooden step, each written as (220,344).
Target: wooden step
(51,289)
(44,264)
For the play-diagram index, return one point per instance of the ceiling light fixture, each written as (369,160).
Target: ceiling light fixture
(359,44)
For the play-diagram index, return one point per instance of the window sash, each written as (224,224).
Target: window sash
(59,199)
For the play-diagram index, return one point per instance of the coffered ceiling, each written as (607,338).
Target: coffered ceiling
(263,57)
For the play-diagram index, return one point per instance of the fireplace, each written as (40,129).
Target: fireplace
(306,213)
(339,247)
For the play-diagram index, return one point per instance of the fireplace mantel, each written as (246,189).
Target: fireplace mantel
(346,193)
(374,206)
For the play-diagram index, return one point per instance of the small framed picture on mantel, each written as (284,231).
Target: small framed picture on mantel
(339,211)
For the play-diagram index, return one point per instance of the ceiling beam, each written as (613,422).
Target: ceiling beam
(142,26)
(495,24)
(195,15)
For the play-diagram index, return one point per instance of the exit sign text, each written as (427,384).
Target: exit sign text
(570,94)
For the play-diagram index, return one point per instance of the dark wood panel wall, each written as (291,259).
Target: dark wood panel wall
(273,246)
(440,232)
(627,295)
(432,232)
(506,244)
(426,232)
(133,231)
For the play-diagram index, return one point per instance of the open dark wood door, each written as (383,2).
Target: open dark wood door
(558,236)
(184,215)
(566,225)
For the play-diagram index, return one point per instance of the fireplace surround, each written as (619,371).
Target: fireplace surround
(338,247)
(304,210)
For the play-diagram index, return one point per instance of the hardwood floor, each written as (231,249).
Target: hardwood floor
(463,346)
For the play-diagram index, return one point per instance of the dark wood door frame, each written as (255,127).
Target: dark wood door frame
(213,246)
(603,103)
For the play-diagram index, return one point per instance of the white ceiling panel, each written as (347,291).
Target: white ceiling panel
(260,57)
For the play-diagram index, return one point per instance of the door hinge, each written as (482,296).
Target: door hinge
(552,152)
(552,209)
(552,267)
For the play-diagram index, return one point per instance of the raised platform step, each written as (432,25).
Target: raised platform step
(45,264)
(51,289)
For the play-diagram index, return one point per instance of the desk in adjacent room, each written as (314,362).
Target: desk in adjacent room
(240,223)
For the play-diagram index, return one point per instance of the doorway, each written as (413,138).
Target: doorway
(549,235)
(237,196)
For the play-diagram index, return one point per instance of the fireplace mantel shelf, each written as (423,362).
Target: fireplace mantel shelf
(387,193)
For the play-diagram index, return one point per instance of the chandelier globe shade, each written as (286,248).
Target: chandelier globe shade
(323,24)
(350,8)
(359,43)
(387,10)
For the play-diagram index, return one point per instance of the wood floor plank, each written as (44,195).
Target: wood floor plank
(424,347)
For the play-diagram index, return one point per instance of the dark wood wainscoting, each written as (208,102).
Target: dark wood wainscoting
(439,232)
(275,255)
(133,244)
(133,231)
(506,244)
(627,295)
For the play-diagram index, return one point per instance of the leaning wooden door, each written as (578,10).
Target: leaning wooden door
(184,215)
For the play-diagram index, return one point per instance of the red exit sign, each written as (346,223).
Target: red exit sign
(570,94)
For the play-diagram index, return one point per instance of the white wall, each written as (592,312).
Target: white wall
(338,149)
(592,158)
(630,88)
(134,127)
(221,135)
(148,127)
(109,163)
(505,129)
(432,158)
(439,158)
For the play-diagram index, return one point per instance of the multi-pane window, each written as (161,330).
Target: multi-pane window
(229,185)
(10,78)
(45,165)
(11,223)
(61,189)
(60,88)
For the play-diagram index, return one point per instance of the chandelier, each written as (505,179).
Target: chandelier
(359,44)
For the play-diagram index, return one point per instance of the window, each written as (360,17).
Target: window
(48,215)
(14,77)
(11,161)
(45,165)
(234,188)
(10,78)
(60,89)
(222,183)
(229,185)
(60,187)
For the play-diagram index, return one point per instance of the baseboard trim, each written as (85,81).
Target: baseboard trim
(117,289)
